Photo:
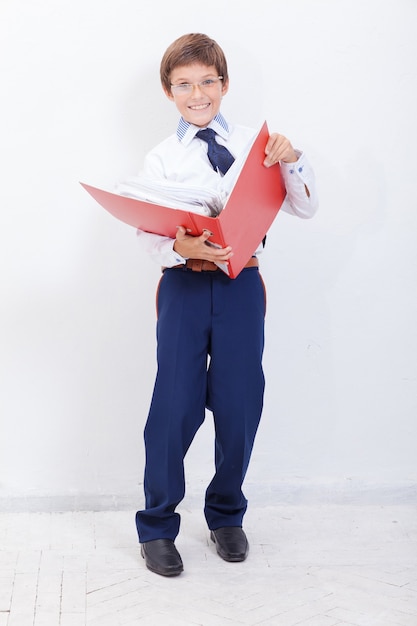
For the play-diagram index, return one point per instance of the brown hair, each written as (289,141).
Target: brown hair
(189,49)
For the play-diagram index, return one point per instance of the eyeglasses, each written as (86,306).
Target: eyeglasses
(204,85)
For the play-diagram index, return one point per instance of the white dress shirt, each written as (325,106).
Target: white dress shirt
(182,157)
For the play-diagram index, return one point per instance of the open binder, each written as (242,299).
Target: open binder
(250,209)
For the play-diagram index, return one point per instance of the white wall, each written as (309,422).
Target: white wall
(80,100)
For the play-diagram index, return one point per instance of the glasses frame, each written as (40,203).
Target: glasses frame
(187,88)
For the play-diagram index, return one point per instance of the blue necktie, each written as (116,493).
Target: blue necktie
(218,155)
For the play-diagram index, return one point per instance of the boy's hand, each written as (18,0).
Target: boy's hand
(191,247)
(277,149)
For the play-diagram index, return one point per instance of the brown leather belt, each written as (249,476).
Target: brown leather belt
(200,265)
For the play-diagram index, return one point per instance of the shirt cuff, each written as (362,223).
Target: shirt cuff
(160,249)
(295,169)
(298,178)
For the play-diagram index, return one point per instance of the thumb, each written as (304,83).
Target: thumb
(181,232)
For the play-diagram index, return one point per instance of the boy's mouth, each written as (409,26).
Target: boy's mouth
(199,107)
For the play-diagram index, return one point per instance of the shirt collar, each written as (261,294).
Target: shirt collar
(186,131)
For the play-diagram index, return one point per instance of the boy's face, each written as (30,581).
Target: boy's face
(202,103)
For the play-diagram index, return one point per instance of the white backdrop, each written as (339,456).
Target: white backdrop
(81,100)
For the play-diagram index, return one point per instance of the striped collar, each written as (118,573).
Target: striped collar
(186,131)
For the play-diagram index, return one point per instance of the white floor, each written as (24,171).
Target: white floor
(310,565)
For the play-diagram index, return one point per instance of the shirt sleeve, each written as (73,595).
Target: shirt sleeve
(301,199)
(159,248)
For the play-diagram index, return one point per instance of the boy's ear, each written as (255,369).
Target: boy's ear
(225,87)
(168,94)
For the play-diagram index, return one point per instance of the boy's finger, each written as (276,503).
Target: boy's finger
(205,234)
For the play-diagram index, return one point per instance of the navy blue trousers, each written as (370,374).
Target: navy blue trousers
(210,333)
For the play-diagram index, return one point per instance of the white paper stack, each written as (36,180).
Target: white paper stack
(174,194)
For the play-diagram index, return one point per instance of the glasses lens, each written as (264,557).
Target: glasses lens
(182,88)
(188,87)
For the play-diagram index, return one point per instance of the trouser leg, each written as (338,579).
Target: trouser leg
(235,390)
(178,403)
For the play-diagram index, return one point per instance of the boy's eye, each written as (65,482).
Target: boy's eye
(188,87)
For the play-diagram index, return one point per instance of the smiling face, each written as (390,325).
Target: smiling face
(201,104)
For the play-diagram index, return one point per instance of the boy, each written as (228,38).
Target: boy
(210,328)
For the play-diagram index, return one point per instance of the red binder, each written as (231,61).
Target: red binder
(249,211)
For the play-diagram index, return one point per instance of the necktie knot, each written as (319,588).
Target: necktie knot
(208,134)
(219,156)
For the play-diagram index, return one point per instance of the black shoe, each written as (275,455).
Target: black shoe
(162,557)
(231,543)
